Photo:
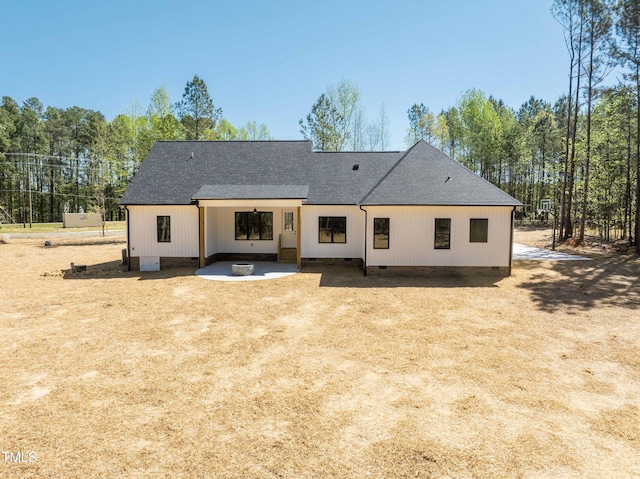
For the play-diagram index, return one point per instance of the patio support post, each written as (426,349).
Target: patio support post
(298,241)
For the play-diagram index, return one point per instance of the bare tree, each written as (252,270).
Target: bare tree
(627,51)
(378,132)
(569,13)
(345,97)
(598,28)
(359,135)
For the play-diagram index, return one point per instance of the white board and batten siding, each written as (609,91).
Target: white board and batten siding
(412,233)
(220,231)
(143,231)
(312,248)
(210,232)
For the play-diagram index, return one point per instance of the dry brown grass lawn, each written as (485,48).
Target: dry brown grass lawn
(321,374)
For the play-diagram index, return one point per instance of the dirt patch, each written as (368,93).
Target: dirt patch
(108,373)
(592,245)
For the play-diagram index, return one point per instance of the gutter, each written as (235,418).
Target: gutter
(513,213)
(201,247)
(365,238)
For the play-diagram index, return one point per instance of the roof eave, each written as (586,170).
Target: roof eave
(486,205)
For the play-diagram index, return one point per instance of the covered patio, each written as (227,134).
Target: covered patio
(252,222)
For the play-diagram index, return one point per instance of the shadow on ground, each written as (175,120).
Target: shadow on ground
(353,277)
(102,241)
(331,277)
(115,270)
(605,281)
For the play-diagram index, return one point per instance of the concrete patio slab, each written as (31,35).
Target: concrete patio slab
(529,253)
(221,271)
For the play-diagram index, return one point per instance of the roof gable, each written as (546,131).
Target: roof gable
(426,176)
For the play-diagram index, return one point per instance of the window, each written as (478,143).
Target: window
(332,229)
(381,233)
(164,229)
(478,230)
(288,220)
(254,226)
(443,233)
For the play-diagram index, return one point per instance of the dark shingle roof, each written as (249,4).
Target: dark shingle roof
(179,172)
(170,175)
(254,192)
(426,176)
(334,181)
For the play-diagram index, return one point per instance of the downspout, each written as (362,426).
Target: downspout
(126,209)
(513,214)
(201,240)
(365,239)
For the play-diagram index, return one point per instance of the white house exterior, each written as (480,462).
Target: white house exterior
(411,222)
(199,202)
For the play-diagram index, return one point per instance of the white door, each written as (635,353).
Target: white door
(149,263)
(289,228)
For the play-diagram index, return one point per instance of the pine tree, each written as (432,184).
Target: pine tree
(324,125)
(196,110)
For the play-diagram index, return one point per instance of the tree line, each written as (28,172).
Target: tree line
(57,160)
(581,151)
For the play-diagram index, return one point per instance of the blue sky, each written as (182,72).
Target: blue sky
(269,61)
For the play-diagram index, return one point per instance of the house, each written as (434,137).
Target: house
(195,202)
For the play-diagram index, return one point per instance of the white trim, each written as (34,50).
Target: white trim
(250,203)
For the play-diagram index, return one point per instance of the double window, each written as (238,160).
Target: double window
(381,233)
(163,229)
(332,229)
(254,226)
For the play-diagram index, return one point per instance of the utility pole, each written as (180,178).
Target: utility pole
(23,213)
(555,215)
(29,189)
